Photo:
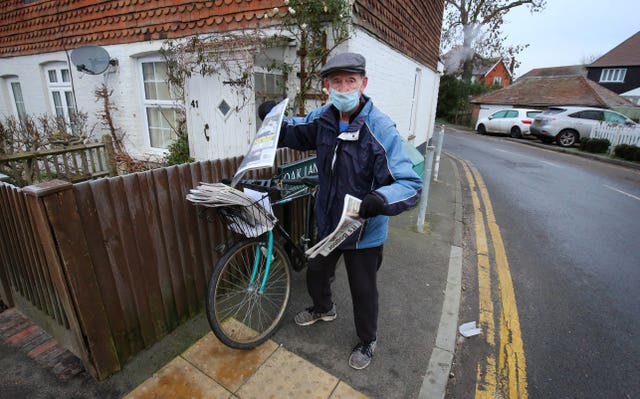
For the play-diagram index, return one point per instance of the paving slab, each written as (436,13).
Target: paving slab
(230,367)
(286,375)
(179,380)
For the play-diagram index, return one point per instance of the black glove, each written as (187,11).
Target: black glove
(372,205)
(264,108)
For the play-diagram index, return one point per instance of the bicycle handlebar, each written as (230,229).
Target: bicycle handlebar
(309,181)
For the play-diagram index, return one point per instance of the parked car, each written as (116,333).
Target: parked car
(512,121)
(567,125)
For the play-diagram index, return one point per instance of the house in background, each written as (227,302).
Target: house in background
(632,95)
(619,69)
(37,77)
(541,92)
(554,72)
(490,71)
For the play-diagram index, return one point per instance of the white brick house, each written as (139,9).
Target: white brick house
(36,76)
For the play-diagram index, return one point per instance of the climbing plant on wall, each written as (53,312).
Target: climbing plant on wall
(316,26)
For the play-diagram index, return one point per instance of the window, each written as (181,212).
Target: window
(497,80)
(499,114)
(417,79)
(613,117)
(613,75)
(590,114)
(59,83)
(511,114)
(161,109)
(268,86)
(15,91)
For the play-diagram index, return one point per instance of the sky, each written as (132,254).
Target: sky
(570,32)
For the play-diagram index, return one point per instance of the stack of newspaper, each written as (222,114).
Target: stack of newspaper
(349,222)
(247,212)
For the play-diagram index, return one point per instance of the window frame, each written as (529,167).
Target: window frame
(613,75)
(266,95)
(63,88)
(146,104)
(14,103)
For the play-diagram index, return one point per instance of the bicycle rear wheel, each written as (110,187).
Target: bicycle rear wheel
(239,315)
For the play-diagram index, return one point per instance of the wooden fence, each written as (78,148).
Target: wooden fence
(616,134)
(73,163)
(111,266)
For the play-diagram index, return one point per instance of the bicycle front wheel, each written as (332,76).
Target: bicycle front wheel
(240,315)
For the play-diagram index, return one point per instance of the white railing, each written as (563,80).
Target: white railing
(616,134)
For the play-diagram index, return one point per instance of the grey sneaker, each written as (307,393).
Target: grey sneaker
(307,317)
(361,355)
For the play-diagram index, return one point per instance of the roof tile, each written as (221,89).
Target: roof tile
(28,28)
(626,53)
(546,91)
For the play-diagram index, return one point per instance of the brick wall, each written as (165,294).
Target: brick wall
(499,70)
(411,26)
(391,84)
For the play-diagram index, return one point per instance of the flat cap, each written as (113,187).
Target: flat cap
(348,62)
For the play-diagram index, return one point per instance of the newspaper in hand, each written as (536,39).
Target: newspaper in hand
(262,151)
(349,222)
(248,213)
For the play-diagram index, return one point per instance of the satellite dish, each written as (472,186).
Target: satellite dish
(93,60)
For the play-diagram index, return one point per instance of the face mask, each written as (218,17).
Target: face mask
(345,101)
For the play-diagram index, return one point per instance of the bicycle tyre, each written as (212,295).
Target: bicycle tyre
(239,315)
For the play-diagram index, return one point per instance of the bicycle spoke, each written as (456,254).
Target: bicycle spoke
(236,303)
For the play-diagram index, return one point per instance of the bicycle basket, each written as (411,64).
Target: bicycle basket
(241,213)
(250,221)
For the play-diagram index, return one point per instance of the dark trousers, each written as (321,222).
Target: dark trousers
(362,266)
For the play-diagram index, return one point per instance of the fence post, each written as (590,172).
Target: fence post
(112,165)
(426,180)
(436,167)
(54,212)
(5,211)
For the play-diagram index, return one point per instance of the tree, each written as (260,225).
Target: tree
(474,28)
(453,98)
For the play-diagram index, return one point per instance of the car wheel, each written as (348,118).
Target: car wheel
(567,138)
(482,129)
(516,133)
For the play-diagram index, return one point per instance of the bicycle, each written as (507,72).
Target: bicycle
(250,285)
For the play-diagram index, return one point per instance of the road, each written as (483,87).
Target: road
(570,229)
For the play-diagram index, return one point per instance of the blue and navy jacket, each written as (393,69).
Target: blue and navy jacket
(367,157)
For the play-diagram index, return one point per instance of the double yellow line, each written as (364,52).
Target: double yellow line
(509,378)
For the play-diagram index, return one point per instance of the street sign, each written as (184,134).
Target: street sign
(298,169)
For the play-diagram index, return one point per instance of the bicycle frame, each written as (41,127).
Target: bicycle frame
(303,192)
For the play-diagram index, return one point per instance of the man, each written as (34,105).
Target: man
(359,152)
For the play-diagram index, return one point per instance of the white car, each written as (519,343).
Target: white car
(512,121)
(567,125)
